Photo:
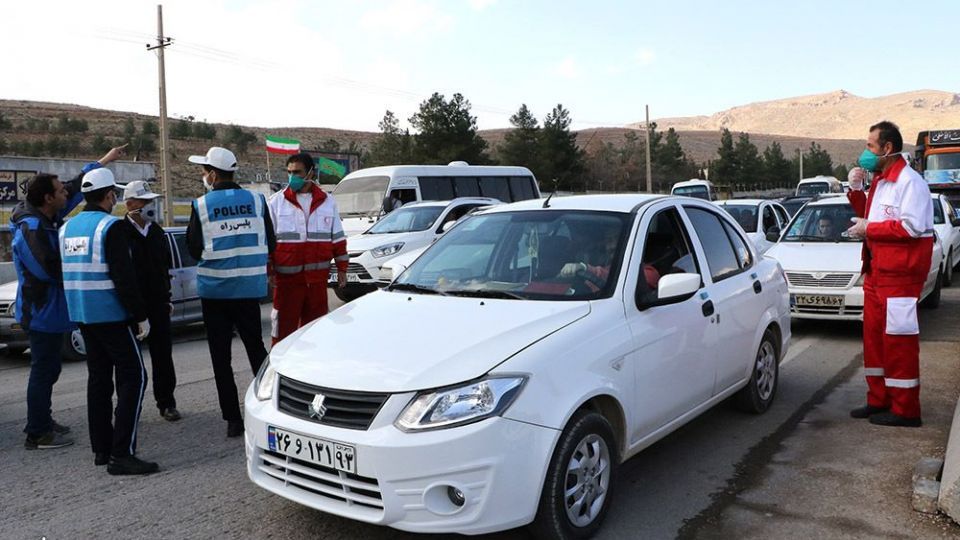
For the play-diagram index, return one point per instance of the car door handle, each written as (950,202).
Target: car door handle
(708,308)
(757,287)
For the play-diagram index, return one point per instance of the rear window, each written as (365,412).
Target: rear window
(503,188)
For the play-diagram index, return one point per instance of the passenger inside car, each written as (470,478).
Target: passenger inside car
(825,228)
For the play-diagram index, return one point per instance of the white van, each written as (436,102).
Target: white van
(699,189)
(819,185)
(364,196)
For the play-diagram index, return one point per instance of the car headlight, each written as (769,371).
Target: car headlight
(464,404)
(265,381)
(12,309)
(386,250)
(859,282)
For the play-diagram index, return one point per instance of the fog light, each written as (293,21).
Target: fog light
(456,496)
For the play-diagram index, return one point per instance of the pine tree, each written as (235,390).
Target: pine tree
(562,159)
(725,167)
(521,145)
(392,146)
(776,167)
(446,131)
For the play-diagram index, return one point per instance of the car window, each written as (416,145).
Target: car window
(769,219)
(185,259)
(938,213)
(784,217)
(744,257)
(821,223)
(497,187)
(407,219)
(722,261)
(666,250)
(744,214)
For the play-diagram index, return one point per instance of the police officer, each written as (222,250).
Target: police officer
(103,299)
(151,258)
(231,236)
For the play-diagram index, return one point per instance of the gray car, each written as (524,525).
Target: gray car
(183,284)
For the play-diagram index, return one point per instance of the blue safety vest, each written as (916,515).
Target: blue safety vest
(234,260)
(91,295)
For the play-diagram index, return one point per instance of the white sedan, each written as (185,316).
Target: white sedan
(502,379)
(823,267)
(760,219)
(947,225)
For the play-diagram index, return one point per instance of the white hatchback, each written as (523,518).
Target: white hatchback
(947,225)
(502,379)
(823,267)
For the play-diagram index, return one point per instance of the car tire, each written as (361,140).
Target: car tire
(14,351)
(757,396)
(74,349)
(932,301)
(948,271)
(586,444)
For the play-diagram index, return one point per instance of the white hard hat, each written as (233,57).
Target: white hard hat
(97,179)
(139,190)
(218,158)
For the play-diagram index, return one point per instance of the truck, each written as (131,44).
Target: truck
(937,158)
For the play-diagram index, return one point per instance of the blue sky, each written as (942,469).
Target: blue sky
(341,64)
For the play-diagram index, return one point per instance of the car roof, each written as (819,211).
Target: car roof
(458,200)
(743,201)
(625,202)
(829,201)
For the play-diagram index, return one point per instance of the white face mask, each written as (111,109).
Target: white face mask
(206,184)
(149,211)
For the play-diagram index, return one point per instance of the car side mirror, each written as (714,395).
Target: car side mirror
(773,234)
(387,205)
(447,226)
(677,286)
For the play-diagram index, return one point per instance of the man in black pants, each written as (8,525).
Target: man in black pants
(231,235)
(151,258)
(104,299)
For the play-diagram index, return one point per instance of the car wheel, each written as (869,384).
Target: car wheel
(932,301)
(74,349)
(579,482)
(757,396)
(14,351)
(948,271)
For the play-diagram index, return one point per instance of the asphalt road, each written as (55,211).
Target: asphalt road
(202,490)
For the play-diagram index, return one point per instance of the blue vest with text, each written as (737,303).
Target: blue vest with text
(234,260)
(91,295)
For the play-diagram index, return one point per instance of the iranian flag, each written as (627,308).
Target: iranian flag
(279,145)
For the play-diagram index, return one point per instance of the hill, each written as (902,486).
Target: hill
(835,115)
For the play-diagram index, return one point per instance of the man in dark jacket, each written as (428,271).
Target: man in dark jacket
(41,306)
(151,258)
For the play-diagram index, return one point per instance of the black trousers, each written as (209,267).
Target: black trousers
(221,317)
(161,355)
(112,349)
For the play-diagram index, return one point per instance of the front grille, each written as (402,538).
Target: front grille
(5,310)
(357,268)
(350,489)
(346,409)
(844,311)
(831,281)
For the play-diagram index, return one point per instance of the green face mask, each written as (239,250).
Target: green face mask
(296,182)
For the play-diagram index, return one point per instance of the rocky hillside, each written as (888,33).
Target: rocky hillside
(836,115)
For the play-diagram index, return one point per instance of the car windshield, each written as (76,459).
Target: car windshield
(745,215)
(407,219)
(361,196)
(813,188)
(699,192)
(539,255)
(821,223)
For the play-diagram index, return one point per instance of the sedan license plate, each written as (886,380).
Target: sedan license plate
(341,457)
(351,278)
(818,300)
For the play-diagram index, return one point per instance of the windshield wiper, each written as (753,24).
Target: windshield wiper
(414,288)
(807,237)
(486,293)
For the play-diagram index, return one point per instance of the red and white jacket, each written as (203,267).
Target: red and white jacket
(899,211)
(306,240)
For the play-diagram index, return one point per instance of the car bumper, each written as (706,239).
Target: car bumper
(12,334)
(402,478)
(850,310)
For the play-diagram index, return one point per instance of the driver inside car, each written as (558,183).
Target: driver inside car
(594,257)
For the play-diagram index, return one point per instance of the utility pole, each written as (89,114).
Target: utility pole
(162,43)
(800,153)
(647,139)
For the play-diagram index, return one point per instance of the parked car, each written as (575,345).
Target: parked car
(947,226)
(410,227)
(819,185)
(823,267)
(759,218)
(565,336)
(183,283)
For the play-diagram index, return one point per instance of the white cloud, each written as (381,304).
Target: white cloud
(406,19)
(567,68)
(645,57)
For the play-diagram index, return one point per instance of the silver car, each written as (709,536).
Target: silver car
(183,285)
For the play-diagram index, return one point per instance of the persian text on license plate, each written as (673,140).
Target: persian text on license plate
(819,300)
(351,278)
(342,457)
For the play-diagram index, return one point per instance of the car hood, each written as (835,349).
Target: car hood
(817,256)
(399,342)
(8,291)
(365,242)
